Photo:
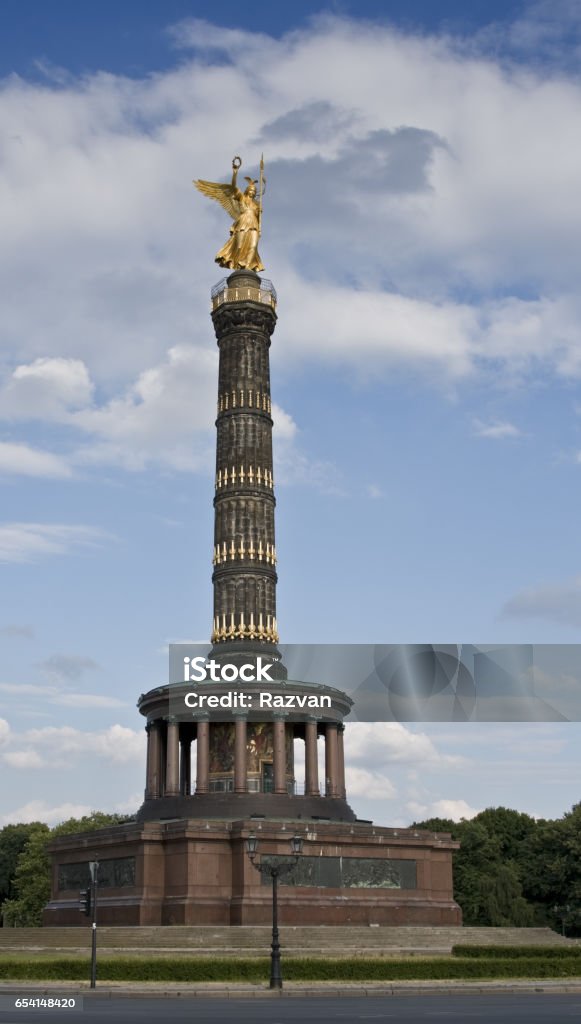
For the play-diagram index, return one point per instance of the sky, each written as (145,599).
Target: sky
(422,229)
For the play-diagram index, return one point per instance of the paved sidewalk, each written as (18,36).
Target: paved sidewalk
(135,990)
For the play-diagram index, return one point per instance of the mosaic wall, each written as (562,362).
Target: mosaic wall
(259,747)
(221,747)
(113,874)
(348,873)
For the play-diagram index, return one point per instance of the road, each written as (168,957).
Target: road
(439,1009)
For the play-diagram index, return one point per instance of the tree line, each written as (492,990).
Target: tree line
(511,869)
(25,865)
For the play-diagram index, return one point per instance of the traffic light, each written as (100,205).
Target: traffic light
(85,902)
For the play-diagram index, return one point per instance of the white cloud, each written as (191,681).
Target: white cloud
(166,416)
(51,814)
(23,759)
(363,782)
(556,602)
(393,194)
(26,542)
(4,731)
(40,810)
(46,389)
(284,426)
(64,698)
(382,743)
(454,809)
(117,743)
(458,152)
(498,430)
(22,460)
(87,700)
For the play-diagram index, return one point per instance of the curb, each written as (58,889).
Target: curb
(295,990)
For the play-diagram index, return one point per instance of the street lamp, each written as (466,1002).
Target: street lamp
(274,871)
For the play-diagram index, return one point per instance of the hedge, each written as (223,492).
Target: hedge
(257,970)
(564,952)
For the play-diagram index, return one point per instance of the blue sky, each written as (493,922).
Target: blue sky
(422,230)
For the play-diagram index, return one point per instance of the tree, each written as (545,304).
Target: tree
(13,839)
(553,878)
(31,881)
(487,883)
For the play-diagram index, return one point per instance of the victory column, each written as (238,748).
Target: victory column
(183,860)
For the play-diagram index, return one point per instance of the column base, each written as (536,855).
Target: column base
(239,805)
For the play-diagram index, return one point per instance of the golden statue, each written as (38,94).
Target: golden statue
(241,251)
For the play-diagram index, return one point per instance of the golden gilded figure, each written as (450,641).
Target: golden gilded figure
(241,250)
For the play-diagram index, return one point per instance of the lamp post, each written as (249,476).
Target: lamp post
(94,869)
(274,871)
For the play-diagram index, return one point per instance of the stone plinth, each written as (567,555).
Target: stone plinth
(197,872)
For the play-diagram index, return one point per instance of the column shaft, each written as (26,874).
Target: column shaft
(279,756)
(153,762)
(341,759)
(240,775)
(185,766)
(311,760)
(331,760)
(172,777)
(203,757)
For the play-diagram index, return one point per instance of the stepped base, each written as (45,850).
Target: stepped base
(300,941)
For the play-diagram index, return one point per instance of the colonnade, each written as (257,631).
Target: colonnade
(169,757)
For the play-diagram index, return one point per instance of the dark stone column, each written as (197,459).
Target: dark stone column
(311,760)
(279,758)
(185,765)
(172,777)
(341,759)
(153,791)
(331,759)
(148,771)
(203,757)
(244,555)
(240,765)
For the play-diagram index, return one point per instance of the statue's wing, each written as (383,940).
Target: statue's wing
(223,194)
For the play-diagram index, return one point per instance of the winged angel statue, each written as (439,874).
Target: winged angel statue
(241,250)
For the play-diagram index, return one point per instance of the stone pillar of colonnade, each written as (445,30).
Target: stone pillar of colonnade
(153,781)
(279,756)
(240,759)
(331,760)
(172,772)
(311,759)
(203,757)
(341,762)
(185,765)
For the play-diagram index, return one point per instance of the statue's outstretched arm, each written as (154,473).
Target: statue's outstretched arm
(236,164)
